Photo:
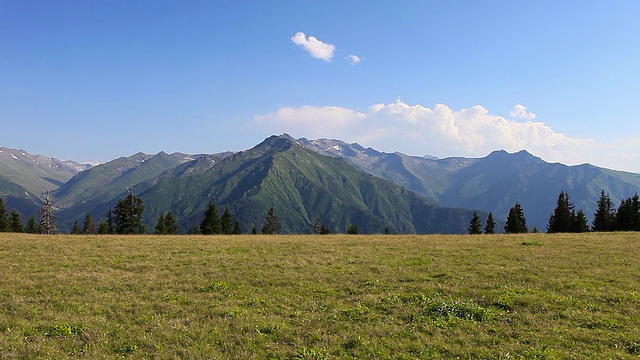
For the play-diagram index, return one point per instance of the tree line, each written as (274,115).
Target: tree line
(565,218)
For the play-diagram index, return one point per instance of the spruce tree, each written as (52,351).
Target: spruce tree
(4,217)
(211,223)
(516,222)
(237,229)
(15,222)
(89,227)
(491,224)
(127,215)
(32,226)
(75,230)
(604,217)
(167,225)
(103,228)
(579,221)
(317,227)
(561,220)
(352,229)
(226,221)
(170,224)
(272,224)
(475,226)
(48,220)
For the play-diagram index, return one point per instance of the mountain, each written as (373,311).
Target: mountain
(493,183)
(101,186)
(37,173)
(302,185)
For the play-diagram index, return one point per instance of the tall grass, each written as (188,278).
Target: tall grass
(320,297)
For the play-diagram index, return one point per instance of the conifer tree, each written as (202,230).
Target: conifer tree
(103,228)
(317,227)
(32,225)
(4,217)
(352,229)
(475,226)
(237,229)
(89,227)
(561,220)
(579,222)
(254,231)
(75,230)
(48,220)
(272,224)
(15,222)
(226,221)
(167,225)
(211,223)
(491,224)
(516,222)
(604,217)
(127,215)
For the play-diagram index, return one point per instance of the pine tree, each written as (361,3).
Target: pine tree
(561,220)
(127,215)
(254,231)
(89,227)
(628,215)
(160,226)
(516,222)
(491,224)
(475,226)
(211,223)
(75,230)
(167,225)
(32,226)
(579,222)
(317,227)
(237,229)
(604,217)
(4,217)
(272,224)
(15,222)
(48,220)
(226,221)
(352,230)
(171,224)
(103,228)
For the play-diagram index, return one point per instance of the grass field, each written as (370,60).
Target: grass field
(533,296)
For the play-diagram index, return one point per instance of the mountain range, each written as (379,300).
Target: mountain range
(341,184)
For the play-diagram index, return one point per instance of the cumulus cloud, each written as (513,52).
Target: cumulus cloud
(313,46)
(439,131)
(520,112)
(354,59)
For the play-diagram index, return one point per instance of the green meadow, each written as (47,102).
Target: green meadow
(534,296)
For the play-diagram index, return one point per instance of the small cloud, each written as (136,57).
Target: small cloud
(520,112)
(315,47)
(354,59)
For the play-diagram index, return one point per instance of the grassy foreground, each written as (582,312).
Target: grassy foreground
(533,296)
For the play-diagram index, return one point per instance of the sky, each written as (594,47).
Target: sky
(97,80)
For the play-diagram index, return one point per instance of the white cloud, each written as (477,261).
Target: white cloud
(354,59)
(520,112)
(443,132)
(315,47)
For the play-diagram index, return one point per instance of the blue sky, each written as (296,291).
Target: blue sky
(96,80)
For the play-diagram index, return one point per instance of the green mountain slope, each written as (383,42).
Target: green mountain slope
(493,183)
(97,189)
(302,185)
(36,173)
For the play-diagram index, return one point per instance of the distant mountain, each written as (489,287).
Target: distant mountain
(493,183)
(302,186)
(101,186)
(37,173)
